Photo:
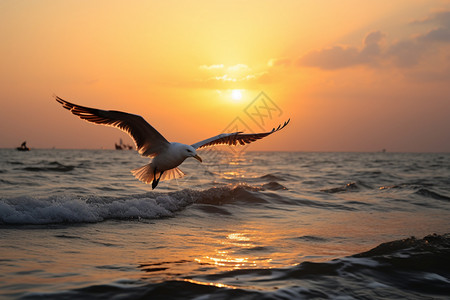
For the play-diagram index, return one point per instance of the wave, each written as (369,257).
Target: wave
(421,189)
(312,238)
(228,194)
(49,166)
(404,269)
(273,186)
(352,186)
(430,194)
(272,177)
(70,209)
(279,176)
(152,205)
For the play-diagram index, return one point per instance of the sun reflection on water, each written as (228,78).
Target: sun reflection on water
(224,259)
(232,259)
(227,164)
(233,174)
(236,164)
(216,284)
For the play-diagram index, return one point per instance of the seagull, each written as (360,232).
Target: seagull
(166,156)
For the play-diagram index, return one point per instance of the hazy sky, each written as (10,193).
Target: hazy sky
(351,75)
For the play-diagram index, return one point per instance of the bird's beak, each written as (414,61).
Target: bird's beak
(197,158)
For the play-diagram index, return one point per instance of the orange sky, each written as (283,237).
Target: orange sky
(351,75)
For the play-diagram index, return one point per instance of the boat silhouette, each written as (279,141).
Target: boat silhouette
(23,147)
(122,146)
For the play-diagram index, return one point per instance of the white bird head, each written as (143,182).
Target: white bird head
(190,152)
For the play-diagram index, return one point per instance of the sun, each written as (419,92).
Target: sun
(236,95)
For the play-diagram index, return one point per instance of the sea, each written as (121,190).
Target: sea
(76,224)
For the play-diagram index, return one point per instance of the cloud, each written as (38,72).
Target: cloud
(441,31)
(440,34)
(218,75)
(405,53)
(338,57)
(230,69)
(210,67)
(410,52)
(372,46)
(441,18)
(279,62)
(239,68)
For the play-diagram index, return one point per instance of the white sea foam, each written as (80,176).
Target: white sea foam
(90,209)
(70,209)
(436,277)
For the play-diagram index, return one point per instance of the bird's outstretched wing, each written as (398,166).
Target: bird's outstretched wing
(148,140)
(236,138)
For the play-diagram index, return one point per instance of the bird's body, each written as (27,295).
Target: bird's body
(171,158)
(150,143)
(164,165)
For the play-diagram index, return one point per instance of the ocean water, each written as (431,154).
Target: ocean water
(75,224)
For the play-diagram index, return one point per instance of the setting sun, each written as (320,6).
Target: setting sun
(236,95)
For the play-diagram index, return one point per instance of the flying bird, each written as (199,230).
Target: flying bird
(166,156)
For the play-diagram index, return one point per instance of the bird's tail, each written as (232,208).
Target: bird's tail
(172,174)
(146,173)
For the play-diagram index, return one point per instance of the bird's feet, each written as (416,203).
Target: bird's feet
(156,181)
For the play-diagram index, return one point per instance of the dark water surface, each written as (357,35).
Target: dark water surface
(75,224)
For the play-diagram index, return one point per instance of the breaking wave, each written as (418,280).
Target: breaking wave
(152,205)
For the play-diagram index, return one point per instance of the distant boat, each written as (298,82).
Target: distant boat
(23,147)
(122,146)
